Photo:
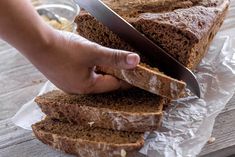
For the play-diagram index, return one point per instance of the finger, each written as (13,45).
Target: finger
(107,83)
(116,58)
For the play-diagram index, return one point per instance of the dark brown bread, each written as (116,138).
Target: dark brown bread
(185,33)
(130,8)
(184,28)
(131,110)
(86,141)
(150,80)
(142,76)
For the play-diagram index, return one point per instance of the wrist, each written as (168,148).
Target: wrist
(40,49)
(41,43)
(45,38)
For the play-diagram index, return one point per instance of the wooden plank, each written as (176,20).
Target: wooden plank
(227,152)
(31,148)
(18,78)
(15,71)
(224,133)
(19,82)
(11,102)
(10,59)
(4,46)
(15,142)
(230,105)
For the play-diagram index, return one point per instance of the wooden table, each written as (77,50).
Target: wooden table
(19,83)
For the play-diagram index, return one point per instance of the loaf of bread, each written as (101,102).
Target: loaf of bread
(132,110)
(86,141)
(183,28)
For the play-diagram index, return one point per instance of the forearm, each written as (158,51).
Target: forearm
(66,59)
(22,27)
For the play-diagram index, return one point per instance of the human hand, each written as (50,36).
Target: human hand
(69,62)
(66,59)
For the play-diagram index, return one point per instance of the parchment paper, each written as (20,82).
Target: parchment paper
(187,123)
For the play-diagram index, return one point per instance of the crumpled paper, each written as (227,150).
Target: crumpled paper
(187,124)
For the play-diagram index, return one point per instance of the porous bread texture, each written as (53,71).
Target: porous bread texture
(149,79)
(184,33)
(87,141)
(132,110)
(142,76)
(131,8)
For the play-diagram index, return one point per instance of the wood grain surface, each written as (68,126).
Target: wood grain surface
(20,81)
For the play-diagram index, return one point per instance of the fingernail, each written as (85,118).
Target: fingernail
(132,59)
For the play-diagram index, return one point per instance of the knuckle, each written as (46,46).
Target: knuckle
(95,53)
(116,57)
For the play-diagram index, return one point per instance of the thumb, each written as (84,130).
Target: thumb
(116,58)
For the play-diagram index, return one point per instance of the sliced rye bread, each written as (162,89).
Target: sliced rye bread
(86,141)
(149,79)
(183,28)
(131,110)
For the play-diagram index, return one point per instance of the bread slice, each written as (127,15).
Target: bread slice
(149,79)
(131,110)
(183,28)
(87,141)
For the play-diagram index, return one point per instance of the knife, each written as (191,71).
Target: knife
(162,60)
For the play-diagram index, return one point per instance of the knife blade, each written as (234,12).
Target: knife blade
(162,60)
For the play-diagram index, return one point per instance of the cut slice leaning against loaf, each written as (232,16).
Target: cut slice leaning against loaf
(86,141)
(183,28)
(131,110)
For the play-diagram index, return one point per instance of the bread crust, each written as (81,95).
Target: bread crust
(149,80)
(102,117)
(200,31)
(203,45)
(86,148)
(197,32)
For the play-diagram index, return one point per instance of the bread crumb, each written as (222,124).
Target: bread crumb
(91,123)
(123,153)
(37,81)
(211,140)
